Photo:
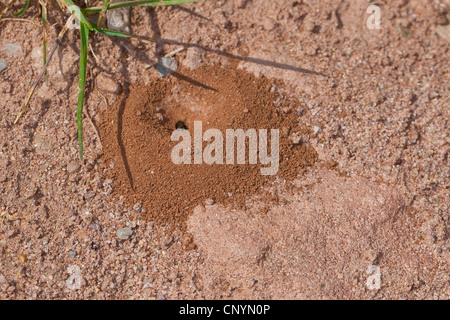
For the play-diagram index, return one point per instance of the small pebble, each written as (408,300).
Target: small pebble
(317,129)
(209,202)
(5,87)
(3,280)
(300,112)
(167,241)
(23,258)
(166,66)
(119,20)
(94,226)
(72,253)
(287,110)
(137,207)
(107,84)
(124,233)
(12,49)
(42,143)
(159,117)
(295,138)
(3,64)
(285,131)
(73,167)
(194,58)
(89,195)
(75,281)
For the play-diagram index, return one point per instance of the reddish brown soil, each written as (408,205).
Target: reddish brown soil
(137,144)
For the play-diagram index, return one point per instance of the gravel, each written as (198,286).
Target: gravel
(124,233)
(12,49)
(73,167)
(166,66)
(119,19)
(3,64)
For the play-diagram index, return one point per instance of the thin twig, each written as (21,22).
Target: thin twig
(94,55)
(18,19)
(30,93)
(97,134)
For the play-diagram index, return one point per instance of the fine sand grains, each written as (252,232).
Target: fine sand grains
(136,135)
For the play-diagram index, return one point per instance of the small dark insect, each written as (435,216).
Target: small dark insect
(180,125)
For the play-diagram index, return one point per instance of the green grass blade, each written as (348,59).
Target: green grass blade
(82,83)
(74,9)
(103,12)
(24,8)
(44,30)
(136,3)
(111,32)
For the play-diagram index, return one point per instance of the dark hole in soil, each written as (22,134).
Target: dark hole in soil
(180,125)
(139,145)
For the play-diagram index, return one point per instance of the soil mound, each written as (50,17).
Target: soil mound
(136,137)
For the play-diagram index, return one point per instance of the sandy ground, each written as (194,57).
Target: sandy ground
(370,219)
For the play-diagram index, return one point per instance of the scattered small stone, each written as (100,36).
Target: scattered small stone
(296,138)
(269,24)
(277,102)
(94,226)
(107,84)
(73,167)
(124,233)
(5,87)
(75,281)
(137,207)
(89,195)
(30,191)
(317,129)
(3,280)
(119,19)
(228,10)
(12,49)
(23,258)
(167,242)
(210,202)
(194,58)
(374,279)
(3,64)
(159,117)
(166,66)
(287,110)
(42,143)
(444,32)
(299,138)
(312,51)
(72,254)
(285,131)
(300,112)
